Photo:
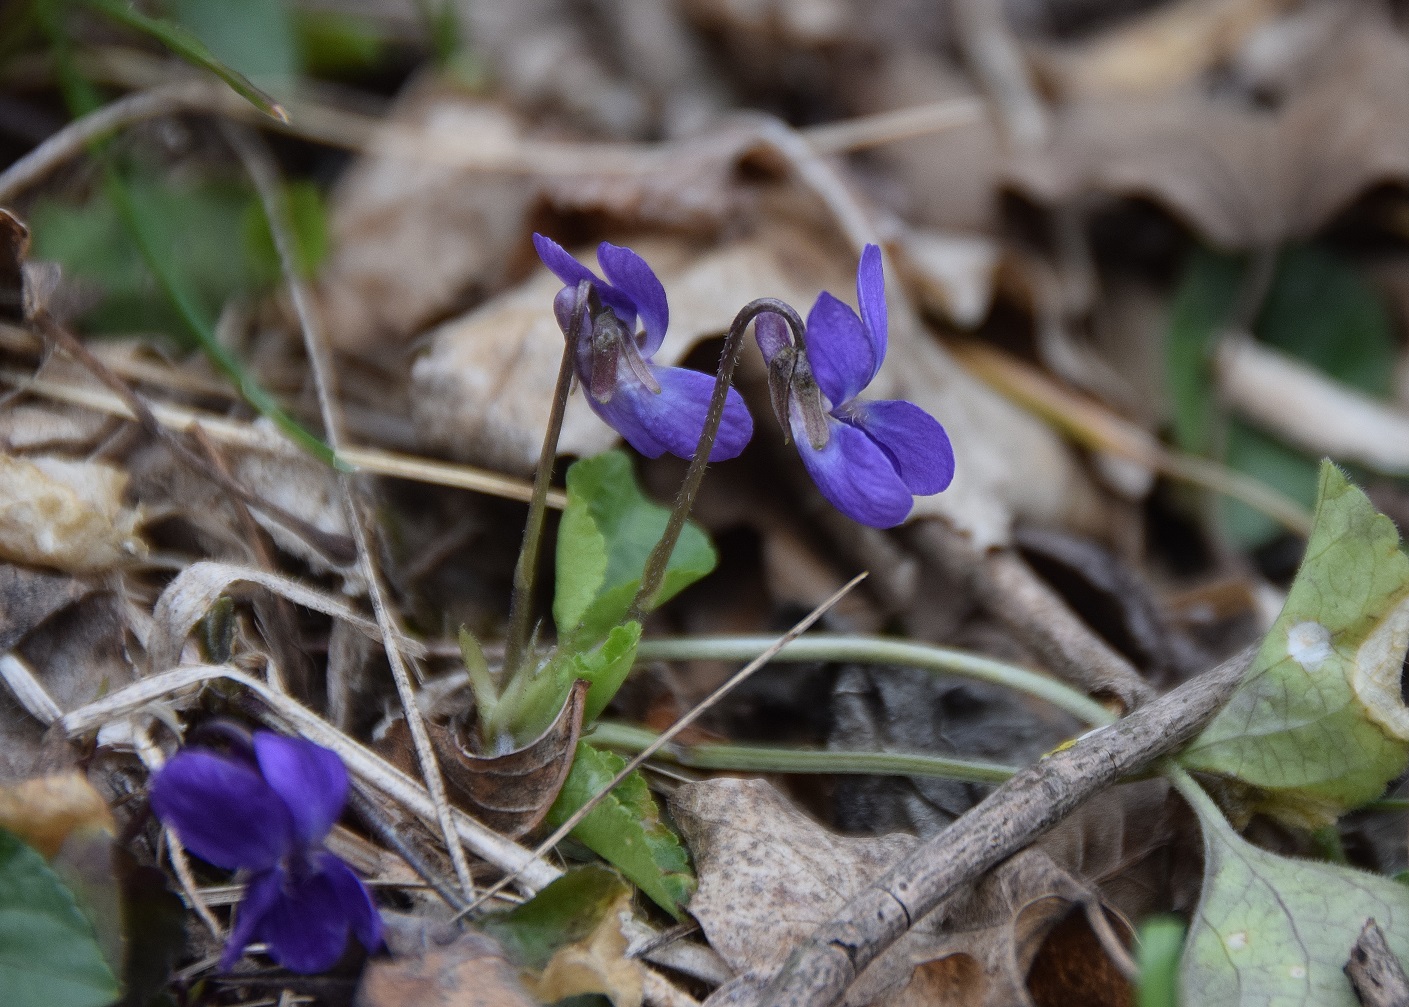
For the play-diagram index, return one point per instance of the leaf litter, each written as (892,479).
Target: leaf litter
(1201,251)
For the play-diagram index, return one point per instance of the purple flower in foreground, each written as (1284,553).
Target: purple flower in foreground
(267,808)
(657,409)
(868,458)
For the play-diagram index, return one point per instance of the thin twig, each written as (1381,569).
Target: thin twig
(573,820)
(75,138)
(264,174)
(819,971)
(373,817)
(1009,590)
(371,461)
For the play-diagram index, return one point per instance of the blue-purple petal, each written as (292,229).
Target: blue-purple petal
(842,357)
(673,419)
(916,443)
(871,298)
(223,810)
(357,906)
(855,475)
(571,272)
(771,333)
(310,778)
(262,891)
(306,926)
(629,274)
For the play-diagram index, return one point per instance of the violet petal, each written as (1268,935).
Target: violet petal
(261,892)
(223,810)
(310,778)
(357,906)
(676,416)
(871,298)
(629,274)
(855,475)
(572,272)
(842,357)
(306,926)
(625,413)
(771,333)
(916,443)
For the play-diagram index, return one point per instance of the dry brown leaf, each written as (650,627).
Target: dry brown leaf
(28,597)
(952,274)
(769,876)
(596,964)
(44,810)
(1170,46)
(191,593)
(1243,177)
(468,972)
(413,238)
(511,792)
(66,514)
(304,488)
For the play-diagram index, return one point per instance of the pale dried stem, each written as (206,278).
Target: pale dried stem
(247,436)
(819,971)
(264,174)
(77,136)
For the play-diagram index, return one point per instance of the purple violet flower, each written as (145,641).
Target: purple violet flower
(657,409)
(266,808)
(868,458)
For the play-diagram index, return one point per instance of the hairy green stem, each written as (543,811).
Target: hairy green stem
(526,570)
(772,759)
(881,650)
(659,559)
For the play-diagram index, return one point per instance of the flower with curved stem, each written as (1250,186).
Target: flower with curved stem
(869,458)
(265,807)
(655,408)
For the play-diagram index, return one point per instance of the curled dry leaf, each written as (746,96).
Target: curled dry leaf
(66,514)
(44,810)
(1243,177)
(596,964)
(195,589)
(511,792)
(470,970)
(768,876)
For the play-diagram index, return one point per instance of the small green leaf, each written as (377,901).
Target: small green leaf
(563,913)
(1318,725)
(1199,311)
(1160,946)
(625,828)
(607,667)
(1272,930)
(48,954)
(189,47)
(608,531)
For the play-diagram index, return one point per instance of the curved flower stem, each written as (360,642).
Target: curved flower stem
(733,344)
(773,759)
(526,570)
(880,650)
